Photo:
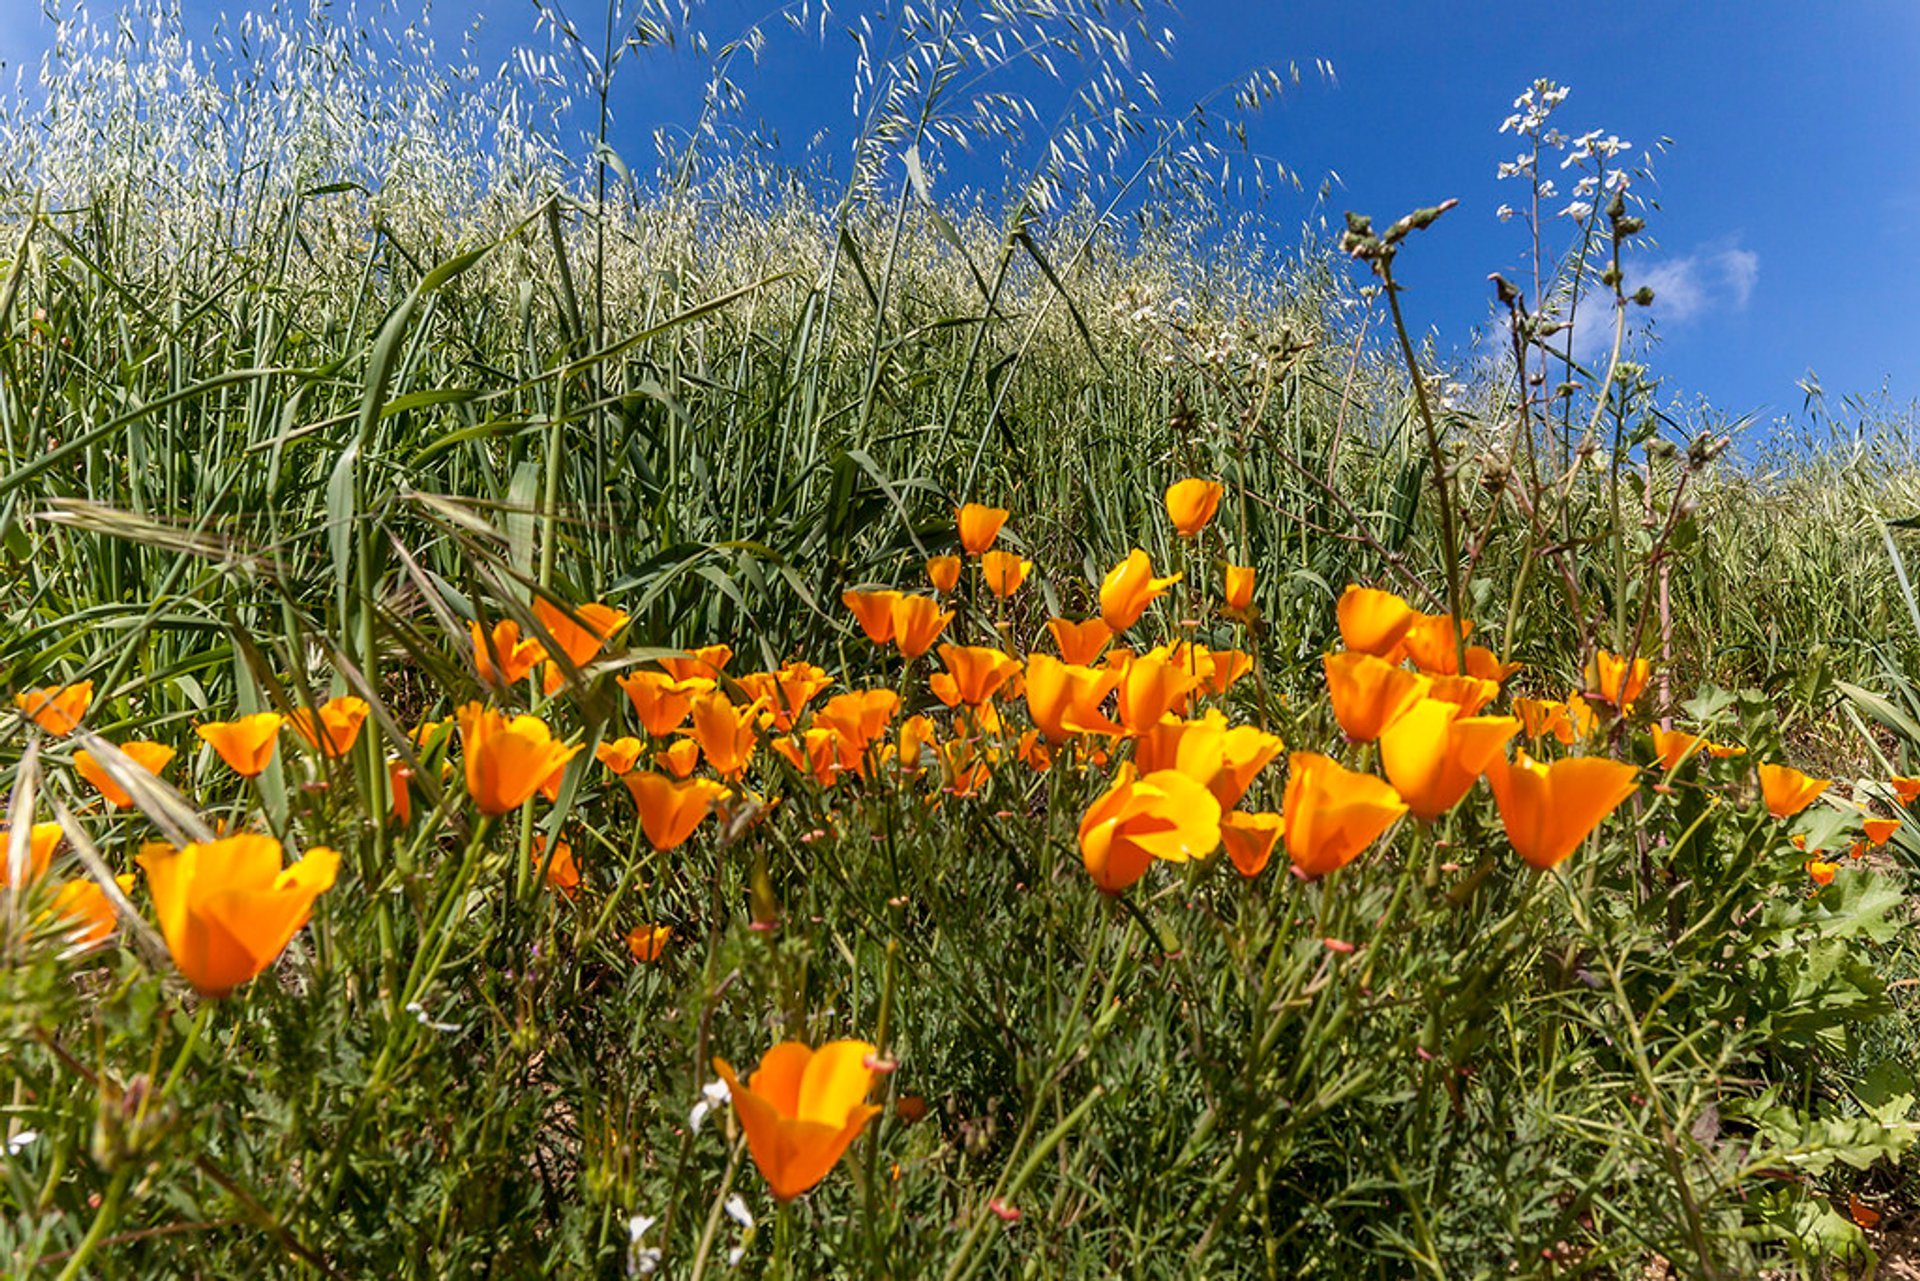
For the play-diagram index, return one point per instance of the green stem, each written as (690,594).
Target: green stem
(102,1221)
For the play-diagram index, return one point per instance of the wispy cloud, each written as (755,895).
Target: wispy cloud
(1713,281)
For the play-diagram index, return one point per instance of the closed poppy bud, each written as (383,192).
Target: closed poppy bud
(37,852)
(151,757)
(1249,840)
(670,809)
(1612,679)
(228,908)
(1064,699)
(1879,830)
(1004,572)
(1080,643)
(1332,813)
(339,721)
(874,612)
(917,624)
(1788,791)
(974,674)
(58,708)
(1432,755)
(1433,644)
(703,663)
(399,785)
(1163,815)
(507,760)
(979,526)
(725,732)
(1372,621)
(943,572)
(1368,693)
(1239,588)
(246,744)
(1821,871)
(801,1109)
(86,911)
(660,702)
(1904,788)
(501,657)
(1191,504)
(648,943)
(1129,588)
(1549,809)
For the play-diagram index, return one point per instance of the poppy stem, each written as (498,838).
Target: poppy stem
(102,1220)
(187,1047)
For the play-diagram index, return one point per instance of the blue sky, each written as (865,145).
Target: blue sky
(1789,200)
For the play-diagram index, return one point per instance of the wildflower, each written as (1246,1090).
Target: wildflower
(1433,642)
(819,752)
(1332,813)
(725,732)
(874,612)
(1080,643)
(1821,871)
(38,847)
(620,755)
(1468,693)
(1064,699)
(246,744)
(228,908)
(704,663)
(1788,791)
(1219,669)
(801,1109)
(917,735)
(1612,679)
(786,692)
(151,757)
(400,804)
(1162,815)
(87,911)
(1483,664)
(974,674)
(563,873)
(501,657)
(1675,747)
(1191,504)
(661,702)
(1549,809)
(943,572)
(679,757)
(1250,839)
(1433,754)
(917,624)
(858,717)
(580,641)
(714,1094)
(1244,752)
(1372,621)
(1033,752)
(1239,588)
(507,760)
(1129,588)
(1879,830)
(1004,572)
(979,526)
(339,721)
(1906,789)
(58,708)
(1368,693)
(1153,685)
(670,809)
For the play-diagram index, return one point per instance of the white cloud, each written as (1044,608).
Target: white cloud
(1709,282)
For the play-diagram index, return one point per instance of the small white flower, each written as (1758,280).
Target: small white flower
(638,1226)
(736,1254)
(736,1208)
(21,1141)
(1504,213)
(646,1261)
(419,1011)
(1578,210)
(713,1094)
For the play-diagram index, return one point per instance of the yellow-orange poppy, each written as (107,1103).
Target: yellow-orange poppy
(917,624)
(1372,621)
(228,908)
(563,873)
(1433,754)
(56,709)
(502,657)
(507,760)
(1129,588)
(873,611)
(678,758)
(86,911)
(41,841)
(1879,831)
(1192,503)
(785,691)
(339,720)
(974,674)
(1787,791)
(1368,693)
(660,701)
(1469,693)
(1249,839)
(1063,699)
(1612,679)
(1163,815)
(1821,871)
(1153,685)
(943,572)
(580,641)
(1004,572)
(151,757)
(1239,588)
(1433,643)
(1549,809)
(648,943)
(671,809)
(859,717)
(979,526)
(802,1108)
(245,744)
(1331,813)
(1905,788)
(1080,643)
(725,732)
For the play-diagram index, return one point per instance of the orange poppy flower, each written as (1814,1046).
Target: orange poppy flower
(1004,572)
(1549,809)
(86,911)
(1163,815)
(228,908)
(818,752)
(1821,871)
(1249,839)
(874,612)
(1129,588)
(979,526)
(1153,685)
(580,641)
(943,572)
(785,691)
(1063,699)
(339,719)
(1788,791)
(661,702)
(563,873)
(1196,748)
(1033,752)
(1879,831)
(1484,664)
(801,1109)
(701,663)
(1907,789)
(1468,693)
(246,744)
(859,717)
(42,839)
(1372,621)
(917,624)
(974,674)
(1674,747)
(1244,752)
(648,943)
(1611,679)
(400,791)
(679,757)
(725,732)
(917,736)
(1219,669)
(56,709)
(501,657)
(620,755)
(1433,644)
(1368,693)
(151,757)
(670,809)
(1080,643)
(1239,588)
(1433,754)
(1332,813)
(507,760)
(1191,504)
